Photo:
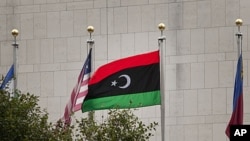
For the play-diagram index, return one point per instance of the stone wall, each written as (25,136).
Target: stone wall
(201,54)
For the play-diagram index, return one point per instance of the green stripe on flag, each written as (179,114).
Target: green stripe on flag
(123,101)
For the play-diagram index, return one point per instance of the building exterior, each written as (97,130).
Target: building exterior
(201,54)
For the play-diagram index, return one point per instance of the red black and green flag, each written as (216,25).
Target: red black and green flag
(126,83)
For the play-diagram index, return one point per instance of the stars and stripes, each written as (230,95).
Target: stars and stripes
(83,89)
(79,92)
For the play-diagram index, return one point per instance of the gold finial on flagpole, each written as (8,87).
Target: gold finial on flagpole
(14,32)
(161,27)
(239,35)
(239,22)
(90,29)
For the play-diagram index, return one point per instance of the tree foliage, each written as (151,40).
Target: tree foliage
(23,120)
(121,125)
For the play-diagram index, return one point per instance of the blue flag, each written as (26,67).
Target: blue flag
(8,77)
(237,114)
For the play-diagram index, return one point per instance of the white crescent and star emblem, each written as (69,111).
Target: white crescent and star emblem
(128,81)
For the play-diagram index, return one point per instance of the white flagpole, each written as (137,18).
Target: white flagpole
(90,44)
(15,57)
(238,23)
(161,39)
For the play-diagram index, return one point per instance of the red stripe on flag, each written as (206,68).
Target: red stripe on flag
(81,95)
(129,62)
(77,107)
(84,93)
(237,115)
(83,78)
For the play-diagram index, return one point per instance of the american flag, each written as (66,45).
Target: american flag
(79,92)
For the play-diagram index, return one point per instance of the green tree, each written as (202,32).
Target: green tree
(121,125)
(23,120)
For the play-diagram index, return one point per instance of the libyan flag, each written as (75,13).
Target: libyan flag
(126,83)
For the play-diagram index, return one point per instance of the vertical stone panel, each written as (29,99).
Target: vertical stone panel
(226,39)
(205,132)
(47,84)
(218,130)
(53,24)
(134,19)
(127,44)
(175,15)
(141,42)
(148,17)
(211,40)
(197,75)
(176,103)
(47,51)
(121,20)
(94,19)
(232,11)
(190,14)
(60,50)
(190,102)
(114,50)
(191,133)
(100,48)
(73,49)
(204,13)
(3,27)
(80,22)
(176,133)
(218,10)
(183,42)
(244,10)
(204,102)
(66,21)
(211,75)
(104,21)
(197,41)
(40,25)
(219,101)
(27,26)
(200,60)
(33,52)
(226,74)
(183,78)
(161,14)
(33,79)
(60,82)
(6,57)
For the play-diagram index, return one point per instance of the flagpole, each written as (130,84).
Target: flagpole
(90,44)
(161,39)
(237,113)
(239,35)
(15,57)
